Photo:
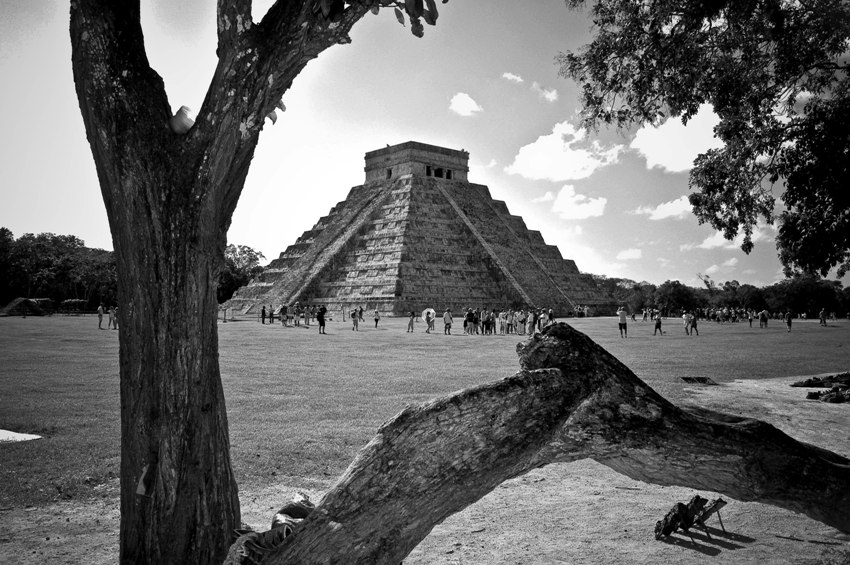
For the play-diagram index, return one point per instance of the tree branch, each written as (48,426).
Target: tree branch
(649,439)
(257,65)
(234,18)
(572,400)
(125,111)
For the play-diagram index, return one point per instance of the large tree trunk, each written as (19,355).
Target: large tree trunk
(572,400)
(169,198)
(178,493)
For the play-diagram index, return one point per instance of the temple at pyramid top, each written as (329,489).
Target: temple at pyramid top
(417,234)
(416,159)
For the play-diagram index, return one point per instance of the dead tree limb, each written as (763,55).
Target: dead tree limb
(572,400)
(636,432)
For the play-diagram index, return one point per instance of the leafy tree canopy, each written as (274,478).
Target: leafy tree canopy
(241,264)
(59,267)
(775,72)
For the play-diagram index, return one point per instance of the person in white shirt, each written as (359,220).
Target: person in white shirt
(621,313)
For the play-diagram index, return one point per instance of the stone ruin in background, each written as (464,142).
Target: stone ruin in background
(416,235)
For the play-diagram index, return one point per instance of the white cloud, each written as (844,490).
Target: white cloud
(626,254)
(678,208)
(717,241)
(562,155)
(673,146)
(725,266)
(571,206)
(549,95)
(463,104)
(512,77)
(548,197)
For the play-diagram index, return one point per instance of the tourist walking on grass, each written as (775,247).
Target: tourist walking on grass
(687,322)
(658,329)
(788,317)
(263,315)
(111,313)
(694,329)
(377,317)
(410,321)
(115,318)
(355,322)
(320,317)
(100,316)
(624,330)
(822,316)
(428,322)
(447,322)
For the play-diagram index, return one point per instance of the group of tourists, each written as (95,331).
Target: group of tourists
(690,318)
(357,318)
(291,315)
(111,312)
(481,321)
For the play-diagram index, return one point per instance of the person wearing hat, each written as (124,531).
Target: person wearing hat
(447,320)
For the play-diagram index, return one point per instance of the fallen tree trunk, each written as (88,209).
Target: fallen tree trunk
(572,400)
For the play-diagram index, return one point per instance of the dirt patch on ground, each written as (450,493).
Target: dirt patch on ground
(577,513)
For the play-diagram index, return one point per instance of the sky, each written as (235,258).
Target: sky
(484,79)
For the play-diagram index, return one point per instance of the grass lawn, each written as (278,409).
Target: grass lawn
(300,405)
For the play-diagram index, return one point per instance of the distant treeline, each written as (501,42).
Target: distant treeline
(58,267)
(78,278)
(802,294)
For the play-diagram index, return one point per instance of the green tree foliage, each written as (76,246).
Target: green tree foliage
(806,294)
(751,298)
(59,267)
(7,288)
(634,295)
(673,296)
(775,72)
(241,264)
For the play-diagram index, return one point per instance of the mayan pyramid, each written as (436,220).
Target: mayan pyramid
(418,234)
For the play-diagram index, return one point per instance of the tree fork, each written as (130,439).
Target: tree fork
(572,400)
(169,199)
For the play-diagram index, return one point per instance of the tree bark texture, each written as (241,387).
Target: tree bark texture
(169,199)
(571,400)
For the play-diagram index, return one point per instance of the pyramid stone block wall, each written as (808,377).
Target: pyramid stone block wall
(417,234)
